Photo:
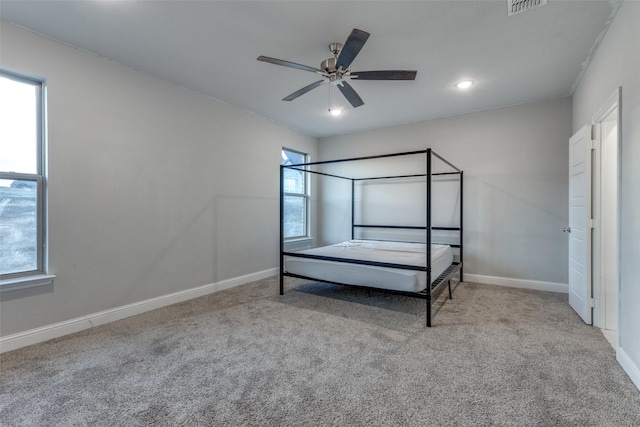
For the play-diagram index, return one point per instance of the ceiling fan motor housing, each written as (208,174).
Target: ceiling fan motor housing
(335,77)
(329,65)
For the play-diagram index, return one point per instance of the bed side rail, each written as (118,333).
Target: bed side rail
(357,261)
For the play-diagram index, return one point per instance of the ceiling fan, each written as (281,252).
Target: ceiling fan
(337,70)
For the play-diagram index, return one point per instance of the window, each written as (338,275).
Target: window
(296,196)
(22,182)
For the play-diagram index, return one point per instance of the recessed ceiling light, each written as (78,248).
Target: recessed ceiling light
(465,84)
(335,112)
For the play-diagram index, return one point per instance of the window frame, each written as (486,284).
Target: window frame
(39,276)
(306,196)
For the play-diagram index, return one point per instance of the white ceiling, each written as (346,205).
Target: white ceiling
(212,46)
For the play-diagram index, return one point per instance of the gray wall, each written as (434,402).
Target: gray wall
(153,189)
(617,64)
(515,163)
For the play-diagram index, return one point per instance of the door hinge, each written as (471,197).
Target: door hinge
(595,144)
(592,303)
(592,223)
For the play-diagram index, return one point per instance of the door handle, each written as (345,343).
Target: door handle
(566,230)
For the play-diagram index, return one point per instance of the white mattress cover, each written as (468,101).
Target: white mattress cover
(373,276)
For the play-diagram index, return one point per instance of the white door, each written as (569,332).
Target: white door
(579,229)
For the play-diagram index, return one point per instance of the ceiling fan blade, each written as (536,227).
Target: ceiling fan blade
(289,64)
(351,48)
(304,90)
(384,75)
(351,95)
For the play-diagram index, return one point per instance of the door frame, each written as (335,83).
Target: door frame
(598,289)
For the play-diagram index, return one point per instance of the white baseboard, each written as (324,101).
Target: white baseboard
(45,333)
(629,367)
(518,283)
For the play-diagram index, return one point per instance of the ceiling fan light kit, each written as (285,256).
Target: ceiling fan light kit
(337,70)
(465,84)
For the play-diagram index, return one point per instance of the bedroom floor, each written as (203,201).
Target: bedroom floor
(327,355)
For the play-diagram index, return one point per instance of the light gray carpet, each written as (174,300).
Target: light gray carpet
(327,355)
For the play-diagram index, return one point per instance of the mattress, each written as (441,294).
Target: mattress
(373,276)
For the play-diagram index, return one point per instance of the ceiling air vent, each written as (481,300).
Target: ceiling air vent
(517,6)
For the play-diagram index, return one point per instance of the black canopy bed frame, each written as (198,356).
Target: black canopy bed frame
(432,291)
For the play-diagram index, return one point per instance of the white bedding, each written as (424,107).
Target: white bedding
(376,277)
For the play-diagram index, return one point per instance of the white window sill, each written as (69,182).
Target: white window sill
(299,240)
(26,282)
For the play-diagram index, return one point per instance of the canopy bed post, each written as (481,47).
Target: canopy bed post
(461,232)
(353,209)
(281,230)
(428,248)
